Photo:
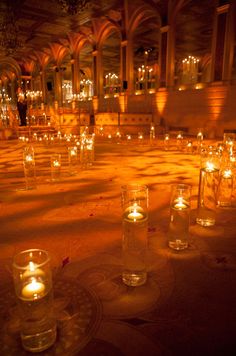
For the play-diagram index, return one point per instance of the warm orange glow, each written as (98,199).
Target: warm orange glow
(161,100)
(216,98)
(123,103)
(95,104)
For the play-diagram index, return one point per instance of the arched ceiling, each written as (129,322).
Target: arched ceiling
(42,22)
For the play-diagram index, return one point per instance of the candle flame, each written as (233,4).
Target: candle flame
(31,266)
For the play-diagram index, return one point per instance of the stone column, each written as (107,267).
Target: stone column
(58,85)
(75,70)
(130,66)
(222,47)
(123,66)
(94,73)
(166,58)
(43,85)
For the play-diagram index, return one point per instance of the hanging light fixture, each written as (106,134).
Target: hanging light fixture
(9,41)
(73,7)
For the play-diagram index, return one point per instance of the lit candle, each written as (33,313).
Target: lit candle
(73,152)
(210,167)
(227,173)
(29,158)
(33,290)
(135,213)
(56,163)
(180,204)
(200,136)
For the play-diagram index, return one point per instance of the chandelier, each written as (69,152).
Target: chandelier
(9,32)
(73,7)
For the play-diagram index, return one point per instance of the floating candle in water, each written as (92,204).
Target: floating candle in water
(73,152)
(134,213)
(209,167)
(180,203)
(200,136)
(29,158)
(56,163)
(227,173)
(33,290)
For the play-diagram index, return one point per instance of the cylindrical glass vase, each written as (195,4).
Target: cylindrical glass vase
(33,286)
(208,186)
(178,232)
(87,151)
(134,200)
(55,167)
(29,167)
(73,160)
(225,191)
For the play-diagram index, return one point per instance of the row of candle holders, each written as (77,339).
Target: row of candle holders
(31,269)
(216,189)
(82,153)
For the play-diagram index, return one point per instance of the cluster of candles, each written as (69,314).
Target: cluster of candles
(145,73)
(190,63)
(4,97)
(111,79)
(34,95)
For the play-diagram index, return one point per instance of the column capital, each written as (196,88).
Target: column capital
(164,28)
(124,43)
(95,53)
(222,9)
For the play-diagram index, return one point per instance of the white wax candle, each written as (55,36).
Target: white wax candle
(227,173)
(73,153)
(135,213)
(33,289)
(180,204)
(210,167)
(29,158)
(56,163)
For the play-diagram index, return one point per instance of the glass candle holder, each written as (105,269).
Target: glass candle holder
(118,137)
(33,285)
(229,139)
(225,190)
(87,151)
(208,186)
(178,231)
(73,160)
(166,141)
(134,200)
(29,167)
(140,138)
(55,167)
(152,134)
(200,137)
(179,141)
(189,147)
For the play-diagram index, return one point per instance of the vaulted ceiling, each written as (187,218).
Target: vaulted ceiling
(42,23)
